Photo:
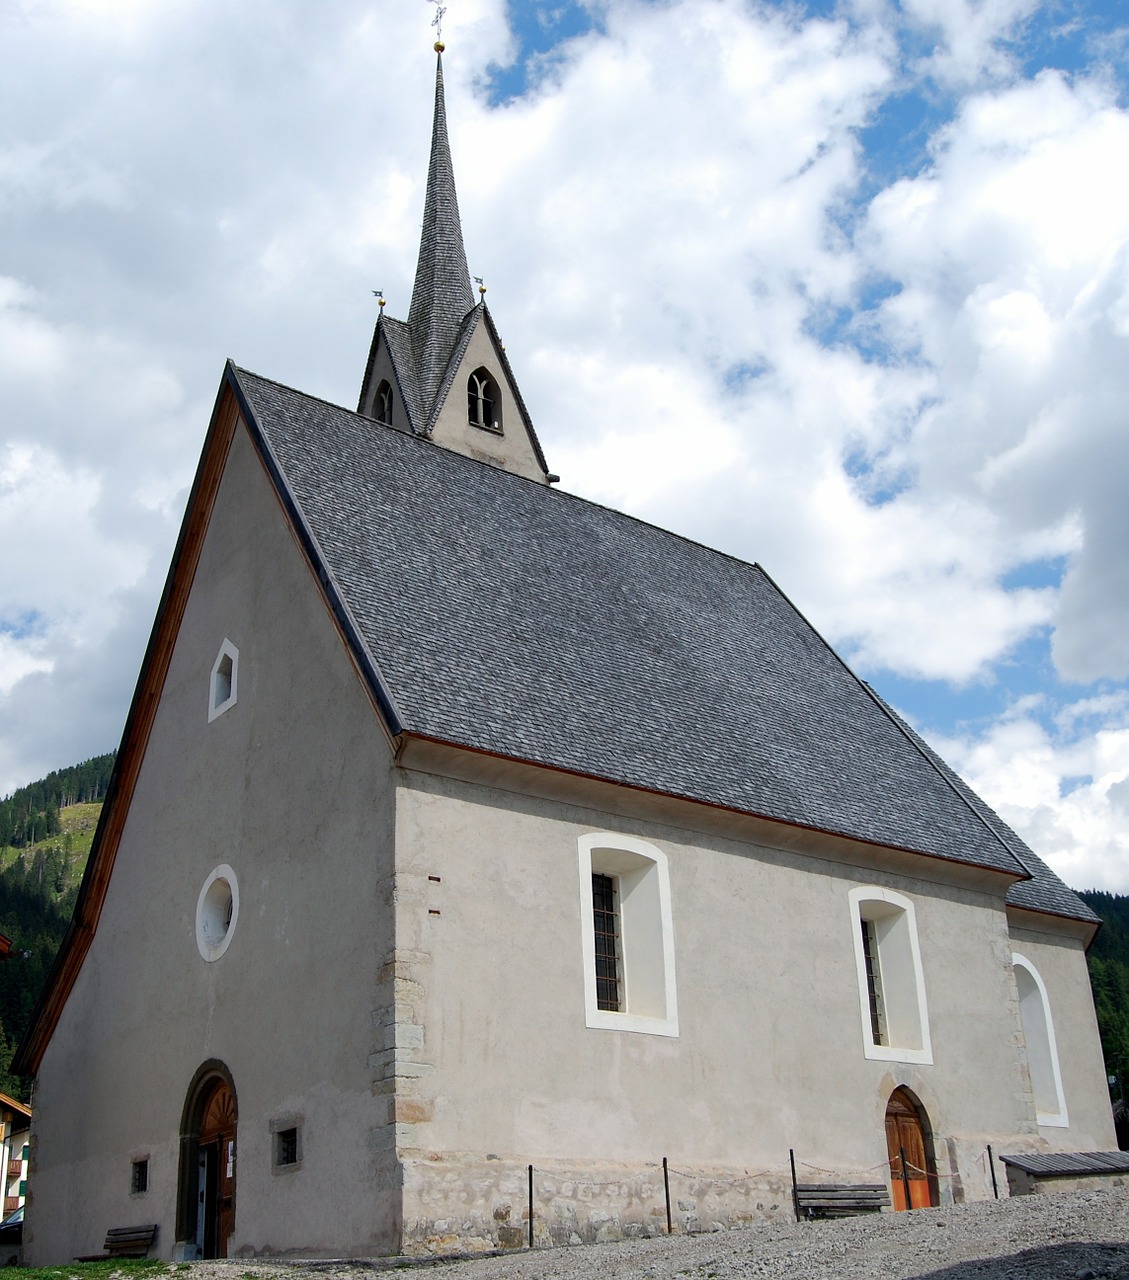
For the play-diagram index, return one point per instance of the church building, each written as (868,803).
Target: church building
(462,826)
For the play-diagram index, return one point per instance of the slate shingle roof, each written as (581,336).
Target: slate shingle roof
(509,617)
(441,296)
(1044,891)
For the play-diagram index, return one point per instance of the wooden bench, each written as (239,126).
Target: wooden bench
(838,1199)
(124,1242)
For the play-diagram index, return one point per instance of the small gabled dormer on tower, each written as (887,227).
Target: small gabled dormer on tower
(443,372)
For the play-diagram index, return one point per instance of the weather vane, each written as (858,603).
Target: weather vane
(437,22)
(378,294)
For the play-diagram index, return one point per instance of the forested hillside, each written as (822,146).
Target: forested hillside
(31,814)
(46,830)
(1109,975)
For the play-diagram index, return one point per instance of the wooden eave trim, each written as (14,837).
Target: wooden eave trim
(409,736)
(135,737)
(1075,925)
(12,1105)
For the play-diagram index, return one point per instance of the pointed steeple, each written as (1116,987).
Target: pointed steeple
(442,294)
(443,373)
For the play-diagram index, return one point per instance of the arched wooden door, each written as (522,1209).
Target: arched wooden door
(216,1178)
(912,1175)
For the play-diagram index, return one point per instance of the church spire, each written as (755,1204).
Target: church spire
(442,294)
(443,373)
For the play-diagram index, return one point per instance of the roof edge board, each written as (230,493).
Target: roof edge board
(410,735)
(931,759)
(467,328)
(1095,928)
(902,729)
(135,735)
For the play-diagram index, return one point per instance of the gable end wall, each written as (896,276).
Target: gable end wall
(292,788)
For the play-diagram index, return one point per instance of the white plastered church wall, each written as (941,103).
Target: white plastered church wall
(768,1055)
(1056,951)
(291,788)
(512,447)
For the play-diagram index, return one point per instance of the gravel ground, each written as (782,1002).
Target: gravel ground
(1076,1236)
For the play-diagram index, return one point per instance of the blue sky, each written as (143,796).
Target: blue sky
(839,288)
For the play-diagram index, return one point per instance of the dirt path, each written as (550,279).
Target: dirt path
(1077,1236)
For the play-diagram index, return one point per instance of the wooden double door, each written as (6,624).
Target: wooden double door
(912,1175)
(216,1172)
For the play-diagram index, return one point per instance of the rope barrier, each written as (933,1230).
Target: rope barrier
(595,1186)
(836,1173)
(646,1172)
(730,1182)
(925,1173)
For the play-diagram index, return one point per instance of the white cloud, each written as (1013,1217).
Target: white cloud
(670,228)
(1064,788)
(971,37)
(1011,255)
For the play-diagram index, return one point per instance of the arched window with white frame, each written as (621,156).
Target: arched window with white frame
(1042,1049)
(627,935)
(891,984)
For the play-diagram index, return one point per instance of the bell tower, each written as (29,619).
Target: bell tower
(443,373)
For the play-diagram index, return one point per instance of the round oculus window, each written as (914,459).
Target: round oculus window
(217,912)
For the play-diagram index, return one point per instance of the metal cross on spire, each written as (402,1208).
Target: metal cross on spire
(437,21)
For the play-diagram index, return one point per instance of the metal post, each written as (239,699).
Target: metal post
(905,1177)
(531,1206)
(992,1170)
(666,1188)
(795,1197)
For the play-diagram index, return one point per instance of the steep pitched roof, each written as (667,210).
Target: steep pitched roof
(442,295)
(396,335)
(1044,891)
(511,618)
(491,612)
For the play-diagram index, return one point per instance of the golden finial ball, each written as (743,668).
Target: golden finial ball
(481,288)
(380,302)
(439,46)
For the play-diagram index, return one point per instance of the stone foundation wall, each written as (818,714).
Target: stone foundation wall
(472,1205)
(1021,1183)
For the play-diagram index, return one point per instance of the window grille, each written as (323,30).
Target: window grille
(139,1177)
(605,921)
(873,982)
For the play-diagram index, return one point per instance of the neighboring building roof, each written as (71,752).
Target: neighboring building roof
(1069,1164)
(503,616)
(10,1104)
